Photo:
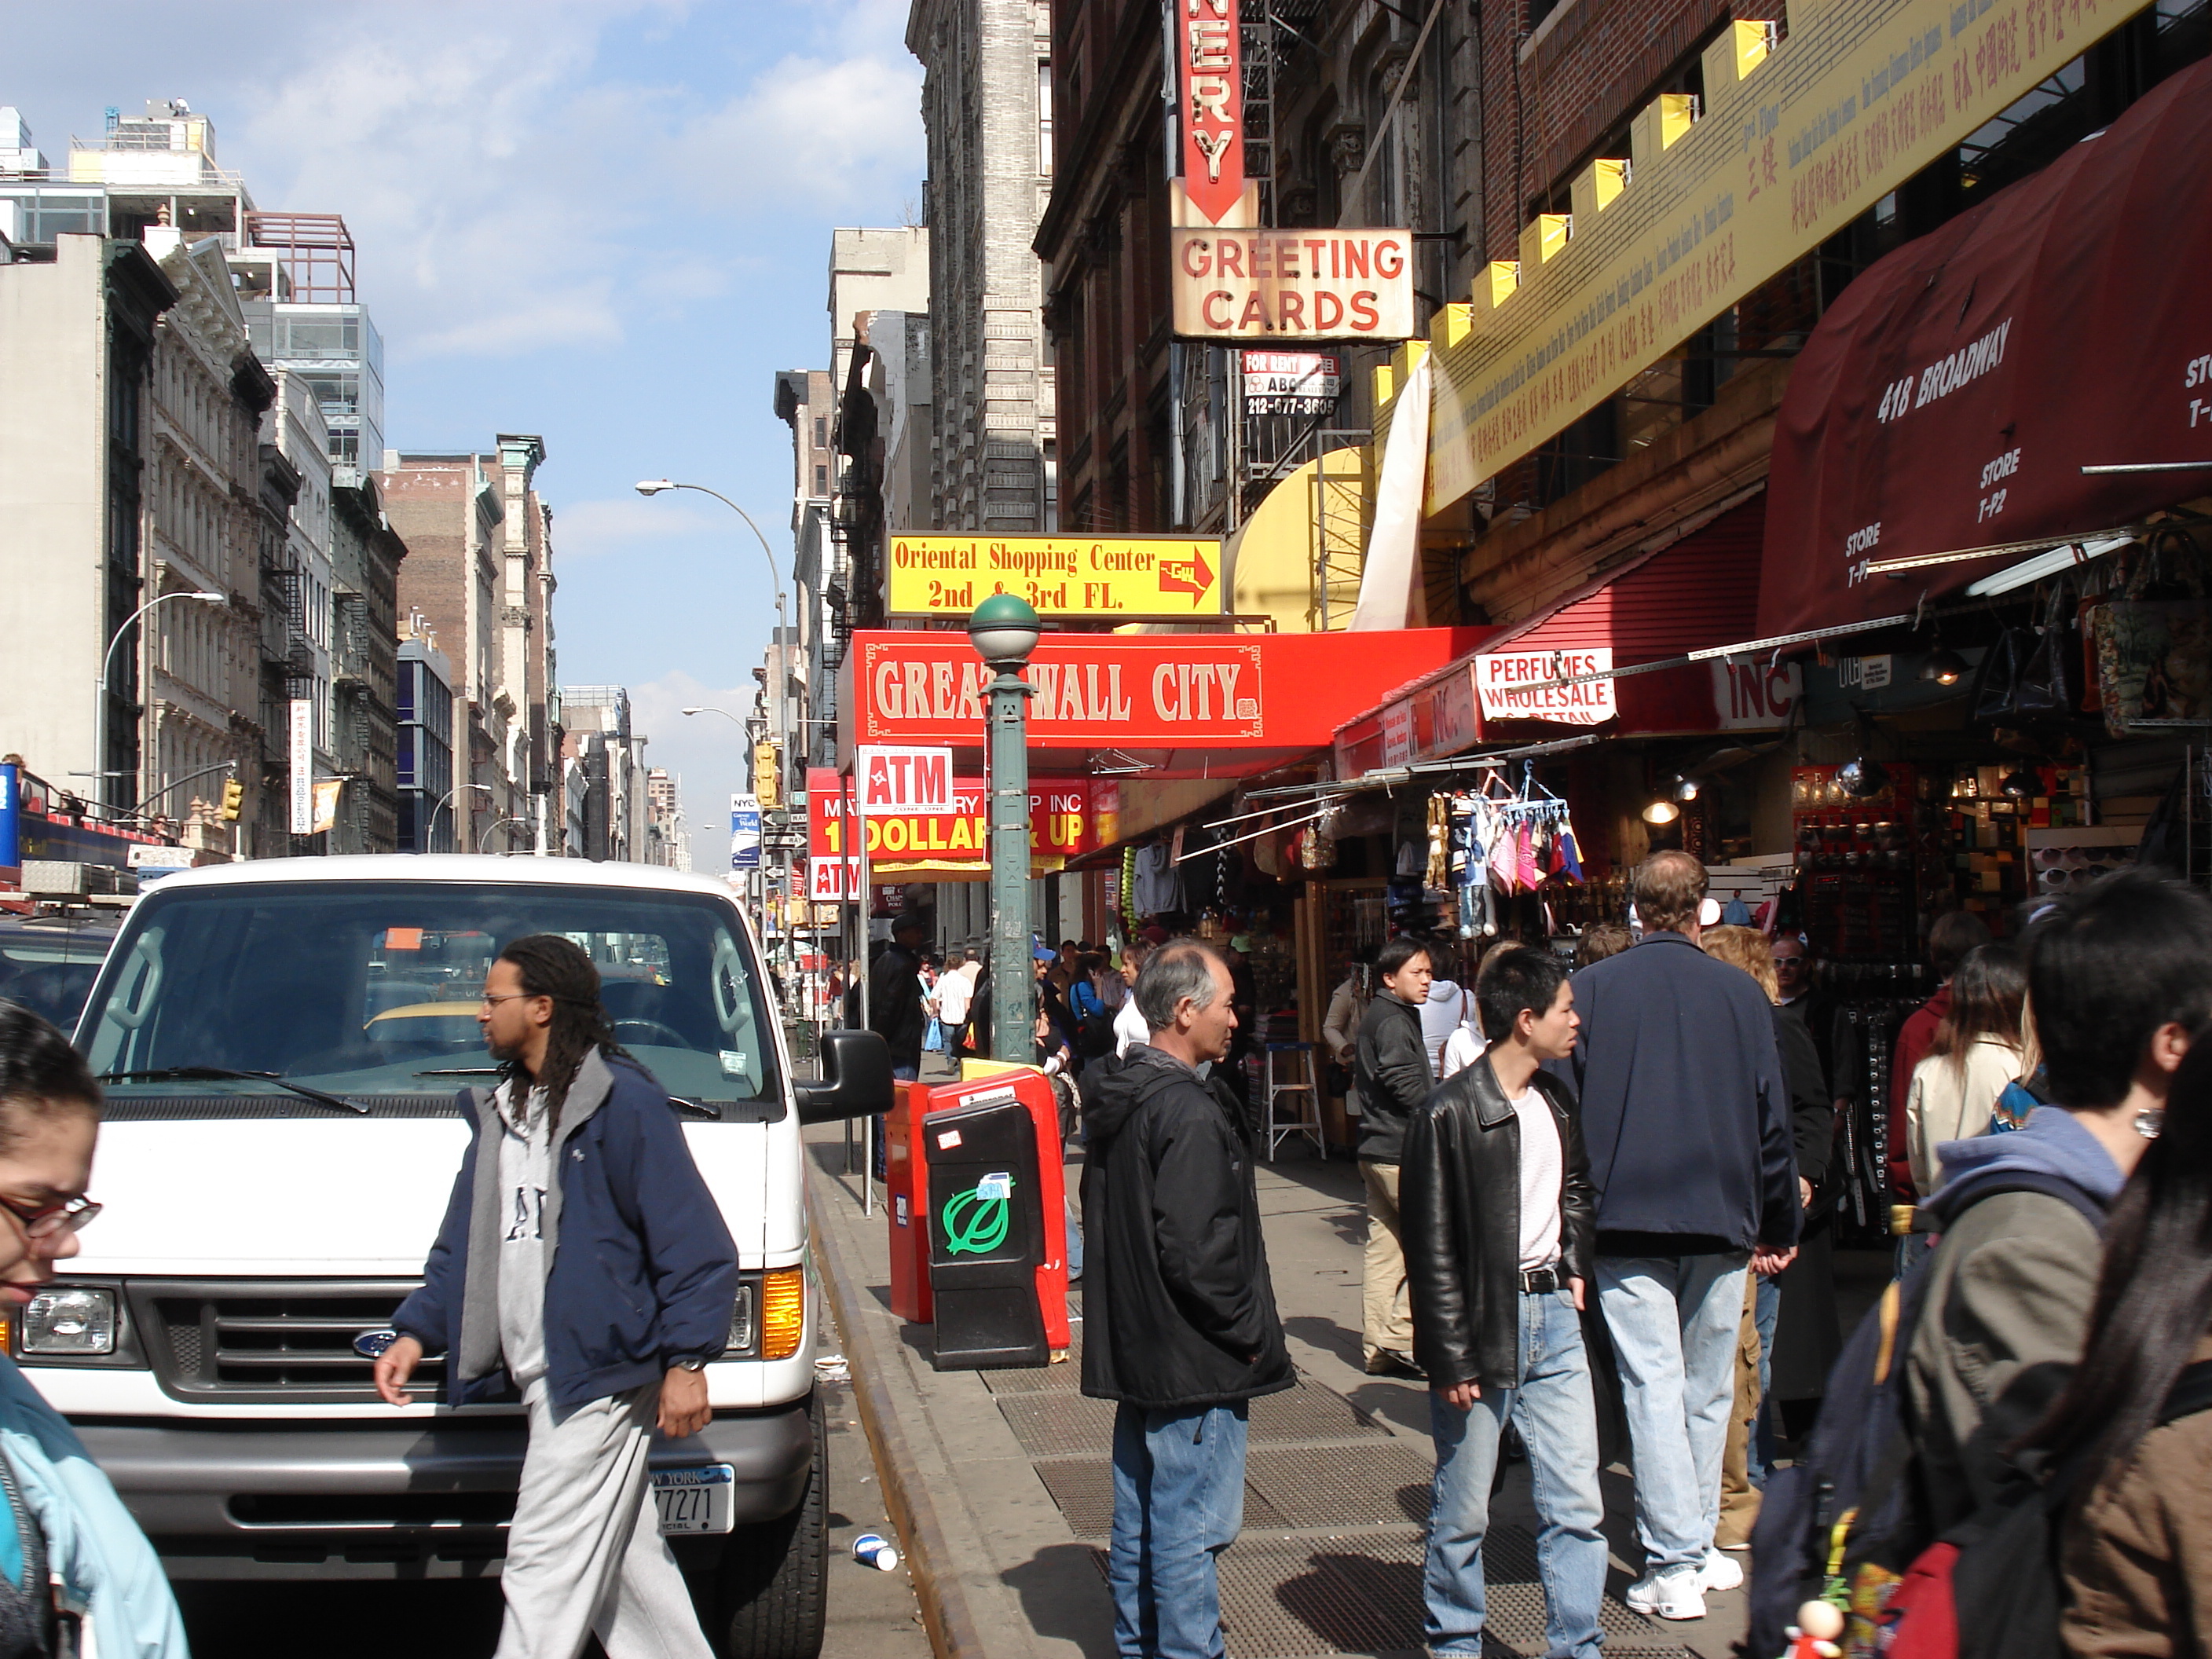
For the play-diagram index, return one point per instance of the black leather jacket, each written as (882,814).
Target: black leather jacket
(1459,1198)
(1390,1072)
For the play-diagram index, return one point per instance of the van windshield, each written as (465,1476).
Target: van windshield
(370,990)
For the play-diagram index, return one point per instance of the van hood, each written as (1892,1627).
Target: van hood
(335,1198)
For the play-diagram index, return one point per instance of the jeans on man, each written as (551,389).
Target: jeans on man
(1553,1408)
(1178,1502)
(1675,1321)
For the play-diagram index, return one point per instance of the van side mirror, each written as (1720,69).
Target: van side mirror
(856,1078)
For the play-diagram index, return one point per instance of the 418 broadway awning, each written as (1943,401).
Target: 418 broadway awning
(1950,399)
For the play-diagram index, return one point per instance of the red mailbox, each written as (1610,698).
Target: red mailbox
(907,1204)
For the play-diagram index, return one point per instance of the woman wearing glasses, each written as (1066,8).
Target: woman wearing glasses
(72,1561)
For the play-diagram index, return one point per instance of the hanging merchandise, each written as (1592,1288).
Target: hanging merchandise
(1129,912)
(1502,842)
(1158,882)
(1439,828)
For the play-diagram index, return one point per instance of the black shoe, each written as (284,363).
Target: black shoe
(1387,1363)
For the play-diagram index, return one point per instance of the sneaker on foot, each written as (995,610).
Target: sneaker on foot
(1721,1571)
(1670,1593)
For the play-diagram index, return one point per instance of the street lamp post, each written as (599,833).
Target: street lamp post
(1004,630)
(484,841)
(430,823)
(654,487)
(106,665)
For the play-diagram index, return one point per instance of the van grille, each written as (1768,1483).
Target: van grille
(248,1340)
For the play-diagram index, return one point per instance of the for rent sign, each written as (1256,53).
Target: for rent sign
(1519,685)
(1293,285)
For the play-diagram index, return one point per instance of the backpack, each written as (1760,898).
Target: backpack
(1844,1523)
(1094,1029)
(1974,1594)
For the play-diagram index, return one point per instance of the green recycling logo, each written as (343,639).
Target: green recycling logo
(975,1220)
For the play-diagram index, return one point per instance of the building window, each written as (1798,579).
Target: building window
(1044,120)
(822,481)
(822,432)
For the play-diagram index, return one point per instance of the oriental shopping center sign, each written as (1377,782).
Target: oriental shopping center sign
(1795,143)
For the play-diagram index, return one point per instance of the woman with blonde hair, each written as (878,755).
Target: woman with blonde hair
(1980,1047)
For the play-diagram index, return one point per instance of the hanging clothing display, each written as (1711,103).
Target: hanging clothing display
(1158,882)
(1496,841)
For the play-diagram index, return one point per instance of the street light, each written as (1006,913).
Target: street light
(108,662)
(1005,630)
(484,841)
(649,487)
(430,823)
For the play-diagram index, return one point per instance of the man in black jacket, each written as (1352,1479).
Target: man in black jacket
(895,1010)
(1182,1331)
(1391,1076)
(1687,1119)
(1497,1214)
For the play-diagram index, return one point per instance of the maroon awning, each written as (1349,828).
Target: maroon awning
(1951,397)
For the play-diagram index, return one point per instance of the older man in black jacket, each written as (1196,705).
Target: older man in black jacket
(1391,1076)
(1495,1193)
(1182,1331)
(1685,1111)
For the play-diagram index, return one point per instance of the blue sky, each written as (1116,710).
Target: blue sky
(604,221)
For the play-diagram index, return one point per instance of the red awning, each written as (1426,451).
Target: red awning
(1700,592)
(1952,396)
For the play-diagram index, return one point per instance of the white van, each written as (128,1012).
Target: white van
(283,1044)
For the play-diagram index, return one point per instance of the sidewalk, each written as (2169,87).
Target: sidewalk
(999,1483)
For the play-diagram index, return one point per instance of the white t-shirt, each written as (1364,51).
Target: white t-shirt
(1461,1049)
(1129,1028)
(1543,1166)
(953,991)
(1447,1007)
(525,1172)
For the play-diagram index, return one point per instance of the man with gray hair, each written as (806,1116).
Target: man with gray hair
(1181,1327)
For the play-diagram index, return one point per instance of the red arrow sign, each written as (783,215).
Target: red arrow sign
(1211,77)
(1193,576)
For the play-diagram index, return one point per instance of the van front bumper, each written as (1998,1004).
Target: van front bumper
(245,1500)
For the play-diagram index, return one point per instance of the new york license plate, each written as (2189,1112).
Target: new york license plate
(695,1499)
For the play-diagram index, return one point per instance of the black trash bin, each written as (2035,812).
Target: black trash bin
(986,1235)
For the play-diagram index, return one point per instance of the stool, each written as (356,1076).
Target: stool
(1305,1098)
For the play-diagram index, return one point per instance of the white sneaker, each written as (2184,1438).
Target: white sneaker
(1674,1593)
(1721,1571)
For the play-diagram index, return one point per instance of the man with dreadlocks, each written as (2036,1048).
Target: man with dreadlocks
(604,1341)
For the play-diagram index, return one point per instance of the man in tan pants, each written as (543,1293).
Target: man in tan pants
(1391,1069)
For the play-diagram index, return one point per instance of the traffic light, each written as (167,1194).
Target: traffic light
(768,776)
(233,796)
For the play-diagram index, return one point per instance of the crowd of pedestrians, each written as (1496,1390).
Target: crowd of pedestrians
(1604,1187)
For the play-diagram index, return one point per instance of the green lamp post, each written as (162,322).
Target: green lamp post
(1004,630)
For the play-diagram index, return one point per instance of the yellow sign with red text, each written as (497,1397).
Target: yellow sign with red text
(1794,143)
(1121,578)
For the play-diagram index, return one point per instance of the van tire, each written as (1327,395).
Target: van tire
(767,1590)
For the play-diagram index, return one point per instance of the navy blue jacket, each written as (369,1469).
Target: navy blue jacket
(1683,1111)
(642,1271)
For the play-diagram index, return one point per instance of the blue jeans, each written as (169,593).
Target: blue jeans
(1178,1502)
(1552,1408)
(1674,1320)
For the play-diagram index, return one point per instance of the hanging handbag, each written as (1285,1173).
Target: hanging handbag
(2045,686)
(1997,680)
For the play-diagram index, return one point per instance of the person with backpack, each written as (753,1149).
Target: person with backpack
(1978,1050)
(1496,1200)
(2118,975)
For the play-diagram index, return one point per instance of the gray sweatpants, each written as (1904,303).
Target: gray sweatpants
(585,1554)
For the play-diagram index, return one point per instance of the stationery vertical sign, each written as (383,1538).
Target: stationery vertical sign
(1212,76)
(303,766)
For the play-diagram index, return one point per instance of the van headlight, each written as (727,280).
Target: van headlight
(743,1325)
(72,1320)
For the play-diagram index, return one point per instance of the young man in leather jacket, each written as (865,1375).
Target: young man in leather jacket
(1496,1207)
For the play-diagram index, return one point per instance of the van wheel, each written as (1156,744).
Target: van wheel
(766,1591)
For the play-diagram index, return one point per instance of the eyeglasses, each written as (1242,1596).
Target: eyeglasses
(511,996)
(55,1219)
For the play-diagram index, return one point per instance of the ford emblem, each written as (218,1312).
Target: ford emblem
(371,1344)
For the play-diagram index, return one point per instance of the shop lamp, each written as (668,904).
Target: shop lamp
(2022,782)
(1683,788)
(1004,629)
(1943,667)
(1861,778)
(1661,811)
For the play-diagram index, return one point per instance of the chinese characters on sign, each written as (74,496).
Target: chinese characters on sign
(1291,382)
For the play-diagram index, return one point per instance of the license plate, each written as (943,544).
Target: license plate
(695,1499)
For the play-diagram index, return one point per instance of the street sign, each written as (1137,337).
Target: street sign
(893,780)
(952,844)
(745,832)
(1208,46)
(303,766)
(1293,285)
(1126,578)
(1515,685)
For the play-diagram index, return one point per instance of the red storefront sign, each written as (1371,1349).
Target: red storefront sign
(1203,693)
(1950,398)
(950,845)
(1212,76)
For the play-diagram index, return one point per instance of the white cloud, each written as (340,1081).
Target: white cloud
(586,530)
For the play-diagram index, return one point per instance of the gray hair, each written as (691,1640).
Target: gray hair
(1181,967)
